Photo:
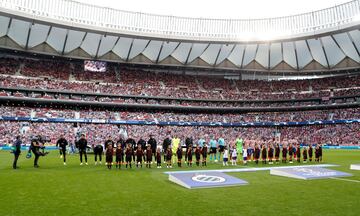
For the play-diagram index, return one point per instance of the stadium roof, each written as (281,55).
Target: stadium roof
(173,27)
(323,40)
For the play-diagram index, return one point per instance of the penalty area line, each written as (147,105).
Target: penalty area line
(343,179)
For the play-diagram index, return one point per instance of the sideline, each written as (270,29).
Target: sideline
(252,169)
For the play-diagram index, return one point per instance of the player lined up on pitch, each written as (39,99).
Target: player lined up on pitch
(129,152)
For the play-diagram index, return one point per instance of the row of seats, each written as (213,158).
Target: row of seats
(120,80)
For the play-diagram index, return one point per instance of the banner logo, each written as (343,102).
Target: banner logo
(208,179)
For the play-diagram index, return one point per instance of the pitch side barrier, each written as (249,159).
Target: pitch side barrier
(342,147)
(162,123)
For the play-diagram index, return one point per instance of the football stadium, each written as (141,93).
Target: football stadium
(106,110)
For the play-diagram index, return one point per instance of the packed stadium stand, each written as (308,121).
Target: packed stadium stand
(302,85)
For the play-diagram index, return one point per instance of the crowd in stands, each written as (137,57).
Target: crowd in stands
(125,81)
(146,88)
(9,66)
(70,76)
(166,102)
(316,115)
(340,134)
(40,68)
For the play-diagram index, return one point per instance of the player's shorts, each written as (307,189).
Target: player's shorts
(119,158)
(244,158)
(234,158)
(221,148)
(225,159)
(109,158)
(249,152)
(139,158)
(98,149)
(212,150)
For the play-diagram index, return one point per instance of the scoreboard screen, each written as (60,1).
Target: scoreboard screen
(95,66)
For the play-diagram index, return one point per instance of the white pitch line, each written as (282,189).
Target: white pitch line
(251,169)
(344,179)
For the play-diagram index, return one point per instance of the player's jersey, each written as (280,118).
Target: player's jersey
(175,144)
(221,142)
(310,151)
(277,151)
(204,151)
(226,153)
(239,144)
(212,143)
(304,154)
(234,153)
(201,142)
(270,152)
(244,152)
(256,153)
(179,153)
(148,154)
(119,152)
(263,153)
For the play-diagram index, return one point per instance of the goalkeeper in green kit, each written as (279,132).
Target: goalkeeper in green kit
(239,142)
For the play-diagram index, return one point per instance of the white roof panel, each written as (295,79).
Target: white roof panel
(289,54)
(303,54)
(73,40)
(347,46)
(152,50)
(107,43)
(56,38)
(167,49)
(317,51)
(333,52)
(250,52)
(138,47)
(4,23)
(224,52)
(91,43)
(237,54)
(122,47)
(18,31)
(275,54)
(181,53)
(262,55)
(196,50)
(38,34)
(211,53)
(355,37)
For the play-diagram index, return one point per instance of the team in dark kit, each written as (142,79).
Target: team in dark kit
(128,152)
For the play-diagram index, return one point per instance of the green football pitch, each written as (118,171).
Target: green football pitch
(55,189)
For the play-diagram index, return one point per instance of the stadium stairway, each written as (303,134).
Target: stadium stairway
(18,71)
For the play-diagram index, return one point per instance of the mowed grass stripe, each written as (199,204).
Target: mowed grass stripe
(55,189)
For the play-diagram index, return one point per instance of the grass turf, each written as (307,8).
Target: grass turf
(55,189)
